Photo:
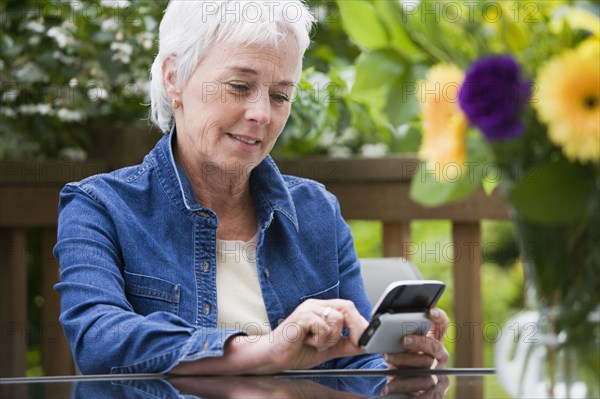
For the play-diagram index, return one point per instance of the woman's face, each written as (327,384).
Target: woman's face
(235,105)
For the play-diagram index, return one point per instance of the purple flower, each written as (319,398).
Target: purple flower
(493,96)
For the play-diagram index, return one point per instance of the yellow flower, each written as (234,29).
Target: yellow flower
(568,101)
(444,124)
(577,18)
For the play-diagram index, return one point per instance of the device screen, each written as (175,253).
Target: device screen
(411,298)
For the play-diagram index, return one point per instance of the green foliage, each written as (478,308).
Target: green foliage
(334,113)
(327,119)
(67,66)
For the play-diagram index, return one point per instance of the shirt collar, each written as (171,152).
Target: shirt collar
(269,187)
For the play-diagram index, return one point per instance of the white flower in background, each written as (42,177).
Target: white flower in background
(349,134)
(59,35)
(374,150)
(67,115)
(96,93)
(328,137)
(142,88)
(349,76)
(109,25)
(76,5)
(35,26)
(402,130)
(115,3)
(8,112)
(65,59)
(73,154)
(10,95)
(43,109)
(340,152)
(149,22)
(29,109)
(29,73)
(33,109)
(320,13)
(122,52)
(35,40)
(146,39)
(73,82)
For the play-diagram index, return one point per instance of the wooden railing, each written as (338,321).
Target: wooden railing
(29,200)
(370,189)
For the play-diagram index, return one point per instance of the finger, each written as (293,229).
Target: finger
(438,390)
(427,346)
(344,347)
(440,323)
(353,320)
(408,359)
(400,384)
(327,332)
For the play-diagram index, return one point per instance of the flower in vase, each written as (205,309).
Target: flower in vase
(568,101)
(444,124)
(494,95)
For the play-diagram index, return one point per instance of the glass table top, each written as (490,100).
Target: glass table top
(396,384)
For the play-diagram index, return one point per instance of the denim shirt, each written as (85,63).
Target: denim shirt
(137,258)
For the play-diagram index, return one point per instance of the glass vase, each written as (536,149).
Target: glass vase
(535,361)
(552,350)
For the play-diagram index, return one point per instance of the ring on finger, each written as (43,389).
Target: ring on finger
(326,313)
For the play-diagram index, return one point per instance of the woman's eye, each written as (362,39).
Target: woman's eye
(239,88)
(279,98)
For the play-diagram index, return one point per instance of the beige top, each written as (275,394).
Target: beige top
(239,297)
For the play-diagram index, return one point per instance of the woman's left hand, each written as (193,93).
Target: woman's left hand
(424,351)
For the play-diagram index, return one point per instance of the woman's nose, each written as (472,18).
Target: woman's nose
(258,108)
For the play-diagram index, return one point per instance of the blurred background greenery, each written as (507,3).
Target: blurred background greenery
(74,77)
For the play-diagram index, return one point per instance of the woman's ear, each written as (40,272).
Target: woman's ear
(169,73)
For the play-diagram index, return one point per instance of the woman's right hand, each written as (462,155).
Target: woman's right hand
(310,335)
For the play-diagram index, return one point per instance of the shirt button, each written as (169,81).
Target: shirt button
(203,214)
(207,308)
(205,266)
(267,273)
(205,346)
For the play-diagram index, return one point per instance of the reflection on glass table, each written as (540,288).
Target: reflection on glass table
(451,383)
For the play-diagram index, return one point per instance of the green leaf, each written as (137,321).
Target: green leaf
(402,105)
(395,22)
(489,186)
(361,23)
(554,193)
(513,35)
(429,188)
(375,69)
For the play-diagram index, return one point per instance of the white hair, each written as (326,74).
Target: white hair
(189,29)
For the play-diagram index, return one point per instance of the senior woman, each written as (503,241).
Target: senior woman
(204,258)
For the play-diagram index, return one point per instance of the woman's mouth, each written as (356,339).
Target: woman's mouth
(245,143)
(244,139)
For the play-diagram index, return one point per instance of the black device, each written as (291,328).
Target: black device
(401,310)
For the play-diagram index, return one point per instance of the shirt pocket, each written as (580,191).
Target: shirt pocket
(151,294)
(328,293)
